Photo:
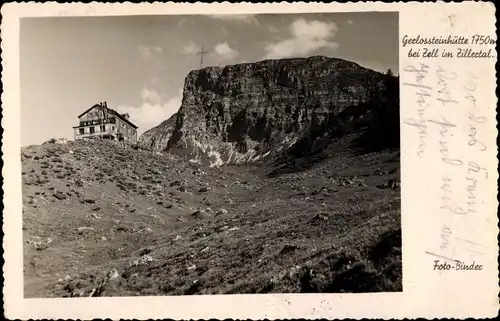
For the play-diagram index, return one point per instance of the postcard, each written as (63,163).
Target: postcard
(243,161)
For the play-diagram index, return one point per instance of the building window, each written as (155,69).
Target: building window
(92,129)
(81,131)
(103,128)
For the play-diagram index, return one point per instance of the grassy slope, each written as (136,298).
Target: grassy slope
(100,219)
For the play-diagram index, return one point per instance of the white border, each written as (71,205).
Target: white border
(426,293)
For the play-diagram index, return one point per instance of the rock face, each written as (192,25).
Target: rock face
(157,138)
(278,110)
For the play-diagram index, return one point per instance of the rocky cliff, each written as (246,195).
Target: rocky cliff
(279,110)
(157,138)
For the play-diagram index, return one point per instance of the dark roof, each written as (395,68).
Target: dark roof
(110,112)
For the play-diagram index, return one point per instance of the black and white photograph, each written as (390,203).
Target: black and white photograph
(177,155)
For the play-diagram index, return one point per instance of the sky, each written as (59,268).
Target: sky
(137,64)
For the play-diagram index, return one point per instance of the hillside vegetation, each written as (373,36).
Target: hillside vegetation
(100,219)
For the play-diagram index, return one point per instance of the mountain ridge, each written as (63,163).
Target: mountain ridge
(255,112)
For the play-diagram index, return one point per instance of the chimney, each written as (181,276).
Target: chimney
(126,116)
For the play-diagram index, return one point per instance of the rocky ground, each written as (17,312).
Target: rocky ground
(100,219)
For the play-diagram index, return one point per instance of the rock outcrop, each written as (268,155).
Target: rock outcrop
(157,138)
(278,110)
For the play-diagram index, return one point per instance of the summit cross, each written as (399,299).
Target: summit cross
(202,52)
